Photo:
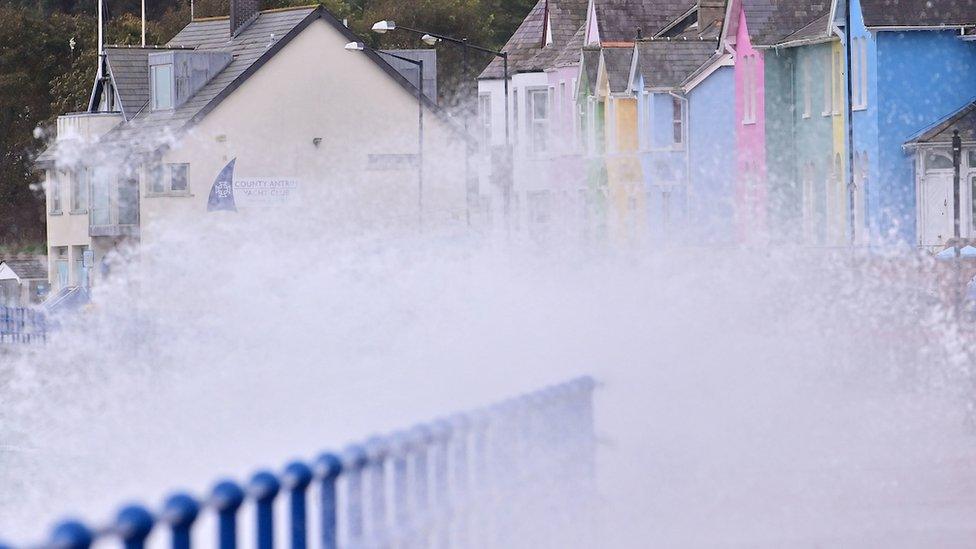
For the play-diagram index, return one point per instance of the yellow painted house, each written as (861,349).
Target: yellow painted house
(627,212)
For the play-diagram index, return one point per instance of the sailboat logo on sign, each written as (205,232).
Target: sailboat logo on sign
(222,191)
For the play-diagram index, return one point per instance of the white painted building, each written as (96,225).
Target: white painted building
(333,132)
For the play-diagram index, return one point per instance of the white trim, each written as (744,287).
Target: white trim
(726,60)
(6,273)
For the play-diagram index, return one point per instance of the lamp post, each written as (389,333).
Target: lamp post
(430,38)
(956,161)
(419,63)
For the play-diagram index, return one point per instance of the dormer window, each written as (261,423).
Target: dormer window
(161,81)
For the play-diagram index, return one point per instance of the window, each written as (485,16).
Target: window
(540,206)
(61,265)
(859,73)
(827,88)
(79,190)
(538,101)
(54,182)
(677,121)
(101,197)
(81,272)
(161,82)
(515,116)
(128,195)
(972,197)
(938,161)
(751,88)
(484,119)
(838,83)
(168,178)
(647,120)
(180,177)
(807,91)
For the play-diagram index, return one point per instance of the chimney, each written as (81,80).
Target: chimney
(241,13)
(710,11)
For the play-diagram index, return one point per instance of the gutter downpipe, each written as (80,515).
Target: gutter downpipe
(849,120)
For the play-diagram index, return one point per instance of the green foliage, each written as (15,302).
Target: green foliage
(48,61)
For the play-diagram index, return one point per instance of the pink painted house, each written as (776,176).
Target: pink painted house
(751,29)
(750,191)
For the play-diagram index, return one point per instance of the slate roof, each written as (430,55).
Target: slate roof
(27,269)
(129,67)
(570,55)
(963,120)
(818,29)
(525,48)
(591,64)
(770,21)
(667,63)
(618,20)
(617,62)
(918,13)
(213,34)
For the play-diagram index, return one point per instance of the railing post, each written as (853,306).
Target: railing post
(328,467)
(377,450)
(180,511)
(460,427)
(264,488)
(419,441)
(353,461)
(71,535)
(440,438)
(133,525)
(399,453)
(227,498)
(296,478)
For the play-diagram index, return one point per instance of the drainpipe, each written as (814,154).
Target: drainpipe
(850,120)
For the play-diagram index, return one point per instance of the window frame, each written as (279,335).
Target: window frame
(533,123)
(80,182)
(56,191)
(154,87)
(749,84)
(807,90)
(163,173)
(484,119)
(677,123)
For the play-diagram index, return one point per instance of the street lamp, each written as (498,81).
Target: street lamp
(430,38)
(419,63)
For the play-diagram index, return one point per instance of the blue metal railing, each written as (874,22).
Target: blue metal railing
(518,473)
(22,325)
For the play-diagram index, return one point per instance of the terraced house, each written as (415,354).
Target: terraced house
(543,64)
(270,99)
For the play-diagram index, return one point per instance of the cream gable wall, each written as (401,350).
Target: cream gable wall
(314,88)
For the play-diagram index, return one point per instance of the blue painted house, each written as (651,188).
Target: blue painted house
(660,71)
(912,65)
(711,151)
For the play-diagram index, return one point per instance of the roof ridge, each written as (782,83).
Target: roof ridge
(272,10)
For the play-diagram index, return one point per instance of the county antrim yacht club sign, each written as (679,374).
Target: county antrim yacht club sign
(228,193)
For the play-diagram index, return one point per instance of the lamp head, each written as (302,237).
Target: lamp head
(355,46)
(429,40)
(382,27)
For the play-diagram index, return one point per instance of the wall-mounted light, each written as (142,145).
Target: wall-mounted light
(430,40)
(316,141)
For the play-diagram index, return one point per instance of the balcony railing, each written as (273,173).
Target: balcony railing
(86,126)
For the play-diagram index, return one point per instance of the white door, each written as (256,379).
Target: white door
(937,209)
